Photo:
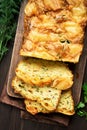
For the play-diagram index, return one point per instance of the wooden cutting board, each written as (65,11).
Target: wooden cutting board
(9,97)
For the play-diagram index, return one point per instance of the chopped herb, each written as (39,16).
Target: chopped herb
(44,68)
(65,41)
(68,41)
(62,41)
(41,78)
(37,89)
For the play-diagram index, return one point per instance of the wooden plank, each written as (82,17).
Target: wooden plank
(79,70)
(15,54)
(13,99)
(78,78)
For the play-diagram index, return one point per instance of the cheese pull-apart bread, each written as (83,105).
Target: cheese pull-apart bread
(42,72)
(54,29)
(65,105)
(48,97)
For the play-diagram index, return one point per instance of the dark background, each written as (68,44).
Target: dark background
(10,116)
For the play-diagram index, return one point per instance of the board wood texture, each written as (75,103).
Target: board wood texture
(9,97)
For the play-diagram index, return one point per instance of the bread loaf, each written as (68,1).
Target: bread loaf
(54,29)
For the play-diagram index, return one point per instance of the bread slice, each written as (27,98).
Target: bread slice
(52,28)
(41,72)
(71,53)
(65,106)
(34,107)
(66,103)
(47,96)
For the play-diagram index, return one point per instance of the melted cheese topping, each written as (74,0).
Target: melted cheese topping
(55,25)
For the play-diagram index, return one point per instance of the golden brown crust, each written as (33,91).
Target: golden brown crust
(54,31)
(65,52)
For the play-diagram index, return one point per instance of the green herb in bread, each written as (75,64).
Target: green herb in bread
(54,29)
(47,96)
(65,105)
(34,107)
(42,72)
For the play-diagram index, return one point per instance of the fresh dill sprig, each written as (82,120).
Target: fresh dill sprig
(9,10)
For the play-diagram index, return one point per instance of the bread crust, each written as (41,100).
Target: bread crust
(41,72)
(46,96)
(65,106)
(54,29)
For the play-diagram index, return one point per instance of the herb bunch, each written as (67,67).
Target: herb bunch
(81,107)
(9,10)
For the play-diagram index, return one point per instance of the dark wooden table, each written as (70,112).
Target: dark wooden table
(10,116)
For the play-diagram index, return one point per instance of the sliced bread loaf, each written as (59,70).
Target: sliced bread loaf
(52,28)
(47,96)
(65,106)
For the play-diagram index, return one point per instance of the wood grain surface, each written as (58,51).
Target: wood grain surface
(9,97)
(10,116)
